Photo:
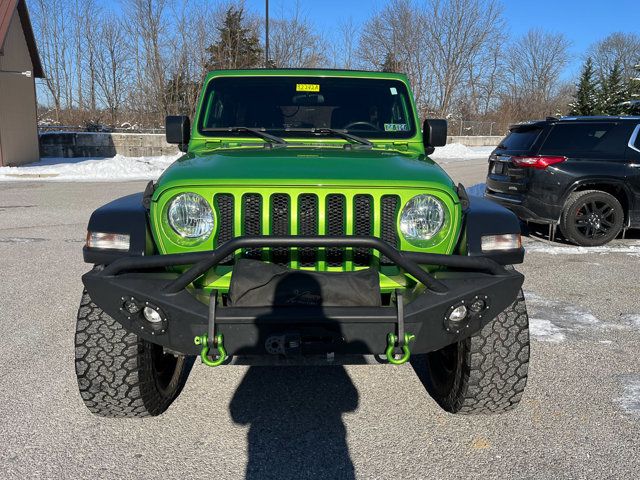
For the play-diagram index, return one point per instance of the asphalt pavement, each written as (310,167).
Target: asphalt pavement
(580,416)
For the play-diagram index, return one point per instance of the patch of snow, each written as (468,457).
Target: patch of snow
(630,399)
(551,320)
(476,190)
(631,248)
(545,331)
(631,319)
(90,169)
(456,152)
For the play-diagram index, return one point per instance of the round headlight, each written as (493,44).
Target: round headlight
(190,216)
(421,219)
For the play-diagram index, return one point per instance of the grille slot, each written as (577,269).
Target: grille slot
(280,221)
(388,230)
(252,221)
(305,215)
(307,226)
(224,208)
(363,227)
(336,222)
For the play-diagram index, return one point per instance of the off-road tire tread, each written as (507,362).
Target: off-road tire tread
(493,366)
(565,226)
(114,368)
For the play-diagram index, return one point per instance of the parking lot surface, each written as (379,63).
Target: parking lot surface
(580,417)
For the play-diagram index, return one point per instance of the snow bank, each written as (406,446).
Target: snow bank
(90,169)
(456,152)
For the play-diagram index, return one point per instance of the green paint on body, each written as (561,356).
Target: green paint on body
(321,166)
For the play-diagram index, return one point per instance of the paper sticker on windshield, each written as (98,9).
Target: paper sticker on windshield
(307,87)
(396,127)
(393,90)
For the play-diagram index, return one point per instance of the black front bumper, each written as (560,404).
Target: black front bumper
(337,330)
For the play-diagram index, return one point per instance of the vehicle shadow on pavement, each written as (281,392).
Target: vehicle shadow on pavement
(295,418)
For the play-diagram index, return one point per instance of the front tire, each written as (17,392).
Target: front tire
(485,373)
(119,374)
(591,218)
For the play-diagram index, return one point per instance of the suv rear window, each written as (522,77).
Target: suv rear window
(588,139)
(520,139)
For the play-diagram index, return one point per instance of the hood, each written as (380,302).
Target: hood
(304,166)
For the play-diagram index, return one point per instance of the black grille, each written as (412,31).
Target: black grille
(307,215)
(388,230)
(363,227)
(335,220)
(280,207)
(252,220)
(224,207)
(307,225)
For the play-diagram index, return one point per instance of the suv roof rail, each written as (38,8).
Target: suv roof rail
(600,117)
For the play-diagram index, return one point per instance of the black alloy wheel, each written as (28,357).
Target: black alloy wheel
(591,218)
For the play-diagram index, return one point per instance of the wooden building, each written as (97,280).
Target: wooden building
(19,66)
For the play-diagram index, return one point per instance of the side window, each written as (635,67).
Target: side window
(637,143)
(594,140)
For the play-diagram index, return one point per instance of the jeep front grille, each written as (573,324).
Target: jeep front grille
(303,214)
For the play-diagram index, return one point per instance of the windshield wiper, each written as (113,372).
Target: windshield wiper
(270,139)
(332,131)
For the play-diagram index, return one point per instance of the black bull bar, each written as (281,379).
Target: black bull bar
(124,287)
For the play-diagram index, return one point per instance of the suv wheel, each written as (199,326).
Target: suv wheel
(591,218)
(120,374)
(485,373)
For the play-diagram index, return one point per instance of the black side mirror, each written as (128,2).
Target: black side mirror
(434,134)
(178,130)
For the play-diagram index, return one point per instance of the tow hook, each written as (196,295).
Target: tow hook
(204,352)
(392,340)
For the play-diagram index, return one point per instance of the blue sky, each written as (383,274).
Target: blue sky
(582,21)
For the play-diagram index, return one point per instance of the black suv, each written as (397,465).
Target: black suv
(580,173)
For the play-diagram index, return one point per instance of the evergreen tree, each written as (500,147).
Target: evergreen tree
(634,83)
(391,64)
(613,93)
(586,96)
(634,91)
(237,46)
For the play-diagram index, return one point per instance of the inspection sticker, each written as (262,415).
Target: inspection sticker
(396,127)
(307,87)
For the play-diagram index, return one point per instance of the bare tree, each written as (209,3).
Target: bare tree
(394,37)
(460,32)
(620,48)
(146,29)
(112,67)
(52,25)
(534,66)
(293,42)
(343,45)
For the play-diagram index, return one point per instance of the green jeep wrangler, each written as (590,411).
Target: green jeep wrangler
(305,224)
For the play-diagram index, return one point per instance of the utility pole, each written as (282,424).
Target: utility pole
(266,40)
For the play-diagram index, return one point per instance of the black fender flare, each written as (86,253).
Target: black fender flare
(126,215)
(484,217)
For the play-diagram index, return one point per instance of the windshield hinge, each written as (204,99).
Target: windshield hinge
(401,145)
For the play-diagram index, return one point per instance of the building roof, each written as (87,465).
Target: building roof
(7,8)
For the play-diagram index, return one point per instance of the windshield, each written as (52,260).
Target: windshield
(300,106)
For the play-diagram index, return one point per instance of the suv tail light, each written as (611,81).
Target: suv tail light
(540,162)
